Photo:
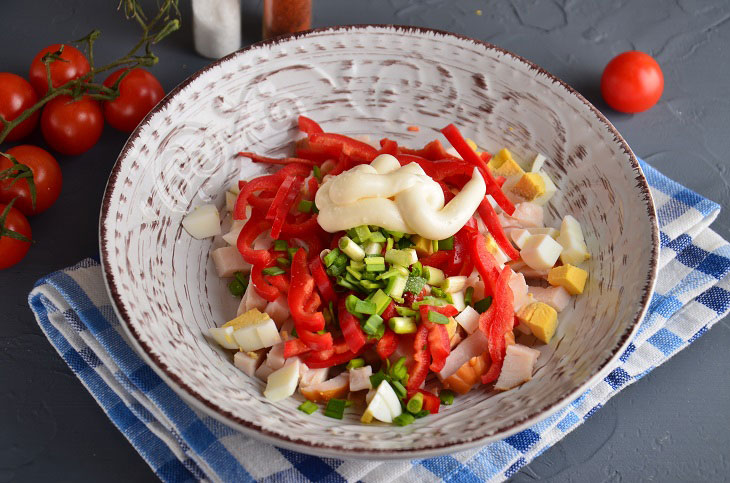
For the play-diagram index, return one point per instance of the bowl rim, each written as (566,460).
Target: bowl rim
(191,396)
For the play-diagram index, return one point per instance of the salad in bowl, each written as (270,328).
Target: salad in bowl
(387,280)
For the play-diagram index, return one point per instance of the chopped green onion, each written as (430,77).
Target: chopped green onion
(437,318)
(272,271)
(294,332)
(447,397)
(305,206)
(369,285)
(377,379)
(359,266)
(375,267)
(394,271)
(483,304)
(373,248)
(404,419)
(404,258)
(372,325)
(404,243)
(308,407)
(377,237)
(317,173)
(389,244)
(380,300)
(335,408)
(434,245)
(417,270)
(351,249)
(280,245)
(399,371)
(468,295)
(362,232)
(372,276)
(403,325)
(335,271)
(428,300)
(414,285)
(354,273)
(355,363)
(415,403)
(400,390)
(350,304)
(365,307)
(454,284)
(374,261)
(236,288)
(330,258)
(405,311)
(292,251)
(344,283)
(379,333)
(433,275)
(283,261)
(437,292)
(421,414)
(446,244)
(396,286)
(395,234)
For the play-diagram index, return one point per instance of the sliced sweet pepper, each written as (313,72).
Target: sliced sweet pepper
(470,156)
(431,402)
(350,147)
(254,227)
(263,183)
(421,360)
(389,312)
(496,322)
(261,285)
(387,344)
(257,158)
(283,201)
(351,330)
(484,262)
(309,126)
(321,280)
(300,291)
(489,217)
(294,347)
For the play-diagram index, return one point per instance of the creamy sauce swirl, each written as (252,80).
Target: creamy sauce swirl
(397,198)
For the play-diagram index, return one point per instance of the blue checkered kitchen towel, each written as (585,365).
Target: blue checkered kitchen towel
(181,444)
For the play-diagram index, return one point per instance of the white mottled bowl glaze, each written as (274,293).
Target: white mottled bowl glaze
(374,80)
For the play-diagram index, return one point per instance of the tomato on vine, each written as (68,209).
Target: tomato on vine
(72,127)
(139,92)
(72,65)
(17,95)
(31,164)
(15,236)
(632,82)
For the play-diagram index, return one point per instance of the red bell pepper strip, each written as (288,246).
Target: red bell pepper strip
(295,169)
(281,193)
(447,310)
(389,312)
(388,146)
(335,360)
(316,342)
(351,330)
(470,156)
(496,322)
(264,183)
(294,347)
(313,303)
(256,158)
(250,231)
(460,253)
(421,360)
(261,285)
(489,217)
(438,344)
(312,187)
(321,280)
(300,291)
(439,260)
(387,344)
(431,402)
(350,147)
(281,207)
(433,151)
(281,282)
(318,154)
(484,262)
(308,126)
(309,226)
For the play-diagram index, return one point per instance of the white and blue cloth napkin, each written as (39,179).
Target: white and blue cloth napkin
(181,444)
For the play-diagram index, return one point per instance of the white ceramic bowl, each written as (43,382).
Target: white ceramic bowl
(373,80)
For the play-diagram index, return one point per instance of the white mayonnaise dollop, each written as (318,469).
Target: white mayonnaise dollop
(397,198)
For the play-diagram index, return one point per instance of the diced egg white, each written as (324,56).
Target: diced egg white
(574,245)
(283,382)
(537,163)
(231,200)
(246,363)
(278,310)
(519,362)
(232,236)
(458,299)
(223,336)
(550,190)
(360,378)
(541,252)
(519,237)
(228,261)
(384,405)
(251,300)
(203,222)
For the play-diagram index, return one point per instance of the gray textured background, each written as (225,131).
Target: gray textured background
(673,425)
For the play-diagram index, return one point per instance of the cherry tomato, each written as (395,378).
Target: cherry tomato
(632,82)
(139,91)
(75,66)
(11,250)
(46,175)
(72,127)
(17,95)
